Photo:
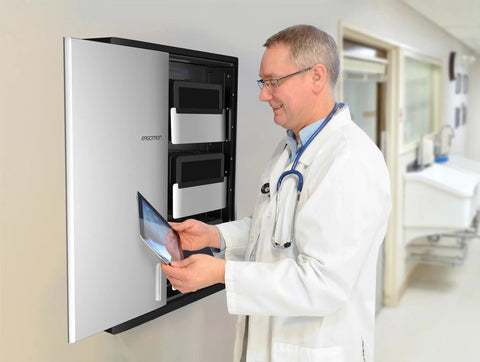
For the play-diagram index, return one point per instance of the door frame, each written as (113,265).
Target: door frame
(391,292)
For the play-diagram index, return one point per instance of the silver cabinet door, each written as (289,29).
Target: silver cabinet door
(116,114)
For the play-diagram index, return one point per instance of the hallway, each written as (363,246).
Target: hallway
(438,317)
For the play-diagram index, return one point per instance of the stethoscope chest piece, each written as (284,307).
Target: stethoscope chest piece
(265,189)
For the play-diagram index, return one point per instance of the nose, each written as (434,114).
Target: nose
(265,94)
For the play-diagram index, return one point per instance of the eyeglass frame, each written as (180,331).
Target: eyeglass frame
(274,82)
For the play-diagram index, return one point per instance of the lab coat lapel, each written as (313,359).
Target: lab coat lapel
(338,120)
(279,167)
(272,174)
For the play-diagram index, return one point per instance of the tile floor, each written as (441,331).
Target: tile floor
(438,317)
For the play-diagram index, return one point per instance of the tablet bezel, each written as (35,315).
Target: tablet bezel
(140,200)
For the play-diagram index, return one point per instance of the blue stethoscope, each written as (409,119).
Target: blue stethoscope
(283,244)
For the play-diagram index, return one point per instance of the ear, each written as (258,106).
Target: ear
(319,77)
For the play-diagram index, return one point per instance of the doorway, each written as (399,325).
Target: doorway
(364,85)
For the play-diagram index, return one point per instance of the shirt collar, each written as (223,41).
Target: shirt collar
(308,131)
(305,133)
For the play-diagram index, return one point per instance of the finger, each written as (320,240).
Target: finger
(184,263)
(181,226)
(165,269)
(177,283)
(177,226)
(177,273)
(170,272)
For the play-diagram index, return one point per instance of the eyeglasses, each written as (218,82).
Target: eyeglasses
(273,83)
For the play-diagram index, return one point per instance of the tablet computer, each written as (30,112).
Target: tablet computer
(156,233)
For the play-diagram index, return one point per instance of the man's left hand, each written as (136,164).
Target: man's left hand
(195,272)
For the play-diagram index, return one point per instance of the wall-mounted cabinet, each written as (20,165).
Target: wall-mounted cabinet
(140,117)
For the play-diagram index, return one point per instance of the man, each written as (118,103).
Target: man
(301,272)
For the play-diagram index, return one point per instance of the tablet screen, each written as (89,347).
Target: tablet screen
(156,232)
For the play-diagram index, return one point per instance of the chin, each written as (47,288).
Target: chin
(281,122)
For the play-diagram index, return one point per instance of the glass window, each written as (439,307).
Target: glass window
(422,99)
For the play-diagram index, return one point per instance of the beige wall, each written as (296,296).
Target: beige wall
(473,126)
(32,195)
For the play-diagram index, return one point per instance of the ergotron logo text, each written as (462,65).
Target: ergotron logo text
(152,138)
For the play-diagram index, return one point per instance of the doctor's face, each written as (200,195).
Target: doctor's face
(290,99)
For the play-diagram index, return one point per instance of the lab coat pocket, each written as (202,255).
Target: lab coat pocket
(295,353)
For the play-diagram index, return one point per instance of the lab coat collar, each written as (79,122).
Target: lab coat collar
(340,119)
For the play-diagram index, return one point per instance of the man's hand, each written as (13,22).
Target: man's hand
(196,272)
(196,235)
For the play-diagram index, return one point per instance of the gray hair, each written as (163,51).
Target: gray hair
(309,46)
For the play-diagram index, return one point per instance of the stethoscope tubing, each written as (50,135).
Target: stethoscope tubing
(292,171)
(299,176)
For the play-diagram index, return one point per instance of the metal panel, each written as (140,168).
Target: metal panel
(116,117)
(194,200)
(197,128)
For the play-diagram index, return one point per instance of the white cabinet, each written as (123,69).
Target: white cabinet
(116,112)
(119,139)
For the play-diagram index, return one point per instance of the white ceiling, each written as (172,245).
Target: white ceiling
(460,18)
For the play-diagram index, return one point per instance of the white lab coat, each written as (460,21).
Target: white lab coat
(314,301)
